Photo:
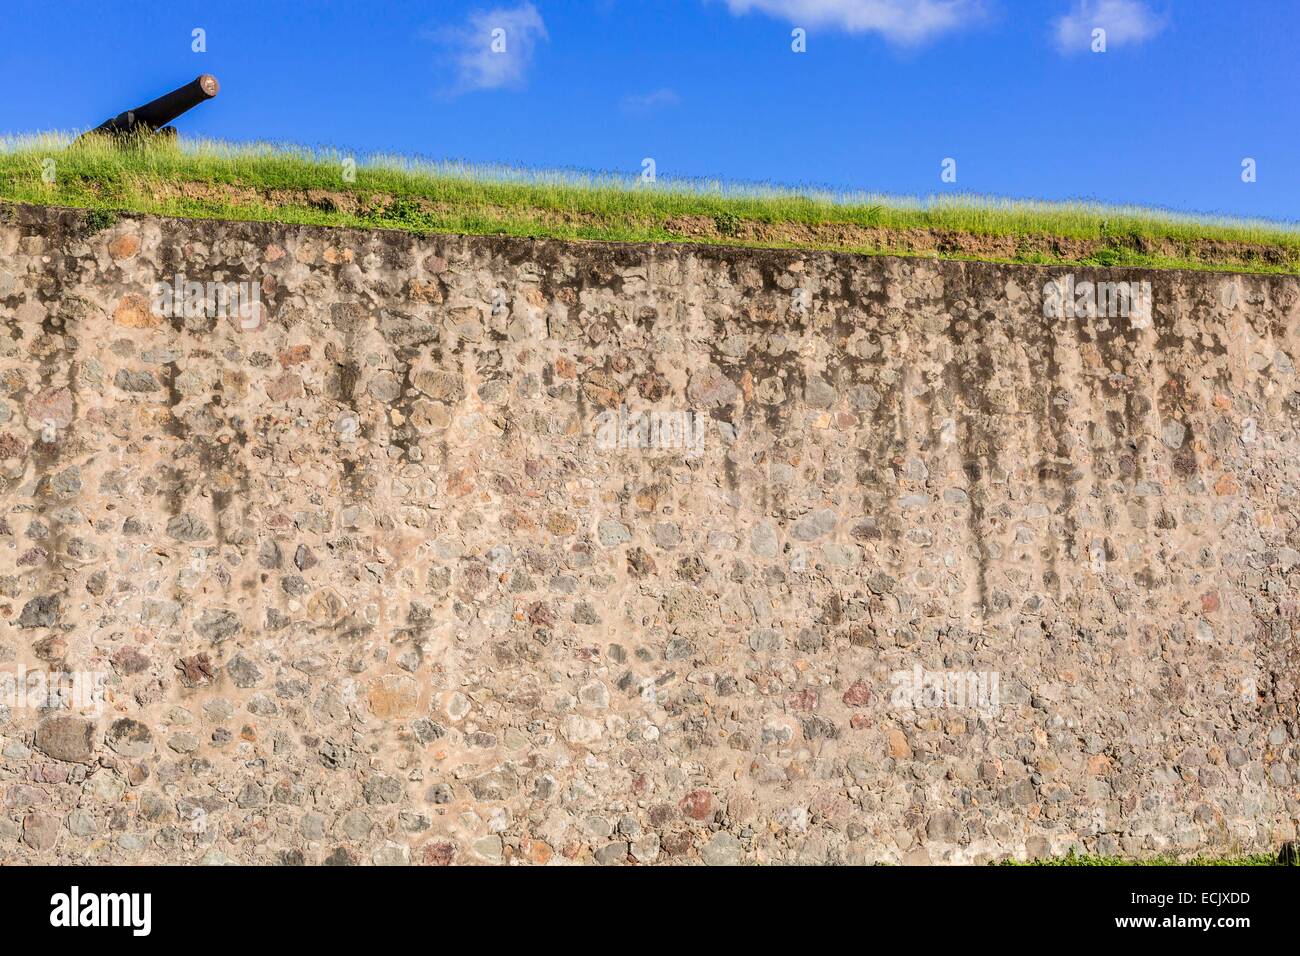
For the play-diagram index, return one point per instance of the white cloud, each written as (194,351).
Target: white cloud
(1125,21)
(899,21)
(645,102)
(494,48)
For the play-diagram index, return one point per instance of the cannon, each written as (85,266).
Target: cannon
(154,116)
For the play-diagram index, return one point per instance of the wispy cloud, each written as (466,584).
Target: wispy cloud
(645,102)
(493,49)
(1125,21)
(906,22)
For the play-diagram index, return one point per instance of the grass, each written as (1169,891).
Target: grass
(1071,859)
(208,179)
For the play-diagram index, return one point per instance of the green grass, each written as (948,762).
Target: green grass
(1070,859)
(209,179)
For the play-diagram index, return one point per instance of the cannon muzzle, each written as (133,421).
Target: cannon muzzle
(156,114)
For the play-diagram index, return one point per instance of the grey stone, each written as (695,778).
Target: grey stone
(187,527)
(216,624)
(612,532)
(612,853)
(243,672)
(129,737)
(722,850)
(40,612)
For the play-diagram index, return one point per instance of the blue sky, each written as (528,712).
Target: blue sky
(886,90)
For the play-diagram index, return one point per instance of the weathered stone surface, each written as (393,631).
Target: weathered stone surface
(133,312)
(217,623)
(371,586)
(187,527)
(40,611)
(40,831)
(723,850)
(65,737)
(129,737)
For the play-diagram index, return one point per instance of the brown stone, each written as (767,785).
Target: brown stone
(52,404)
(394,695)
(135,312)
(440,385)
(124,247)
(284,388)
(297,355)
(898,746)
(561,523)
(65,737)
(129,660)
(11,446)
(425,292)
(538,851)
(196,670)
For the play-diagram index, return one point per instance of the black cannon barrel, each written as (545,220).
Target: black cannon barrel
(158,113)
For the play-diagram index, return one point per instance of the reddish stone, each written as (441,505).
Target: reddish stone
(698,805)
(196,670)
(652,386)
(805,700)
(676,843)
(50,773)
(437,854)
(129,660)
(294,356)
(1226,485)
(1098,765)
(284,388)
(460,483)
(11,446)
(538,851)
(540,614)
(40,831)
(858,695)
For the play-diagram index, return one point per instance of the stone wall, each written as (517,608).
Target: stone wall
(383,573)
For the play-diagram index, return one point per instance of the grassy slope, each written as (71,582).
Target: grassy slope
(296,185)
